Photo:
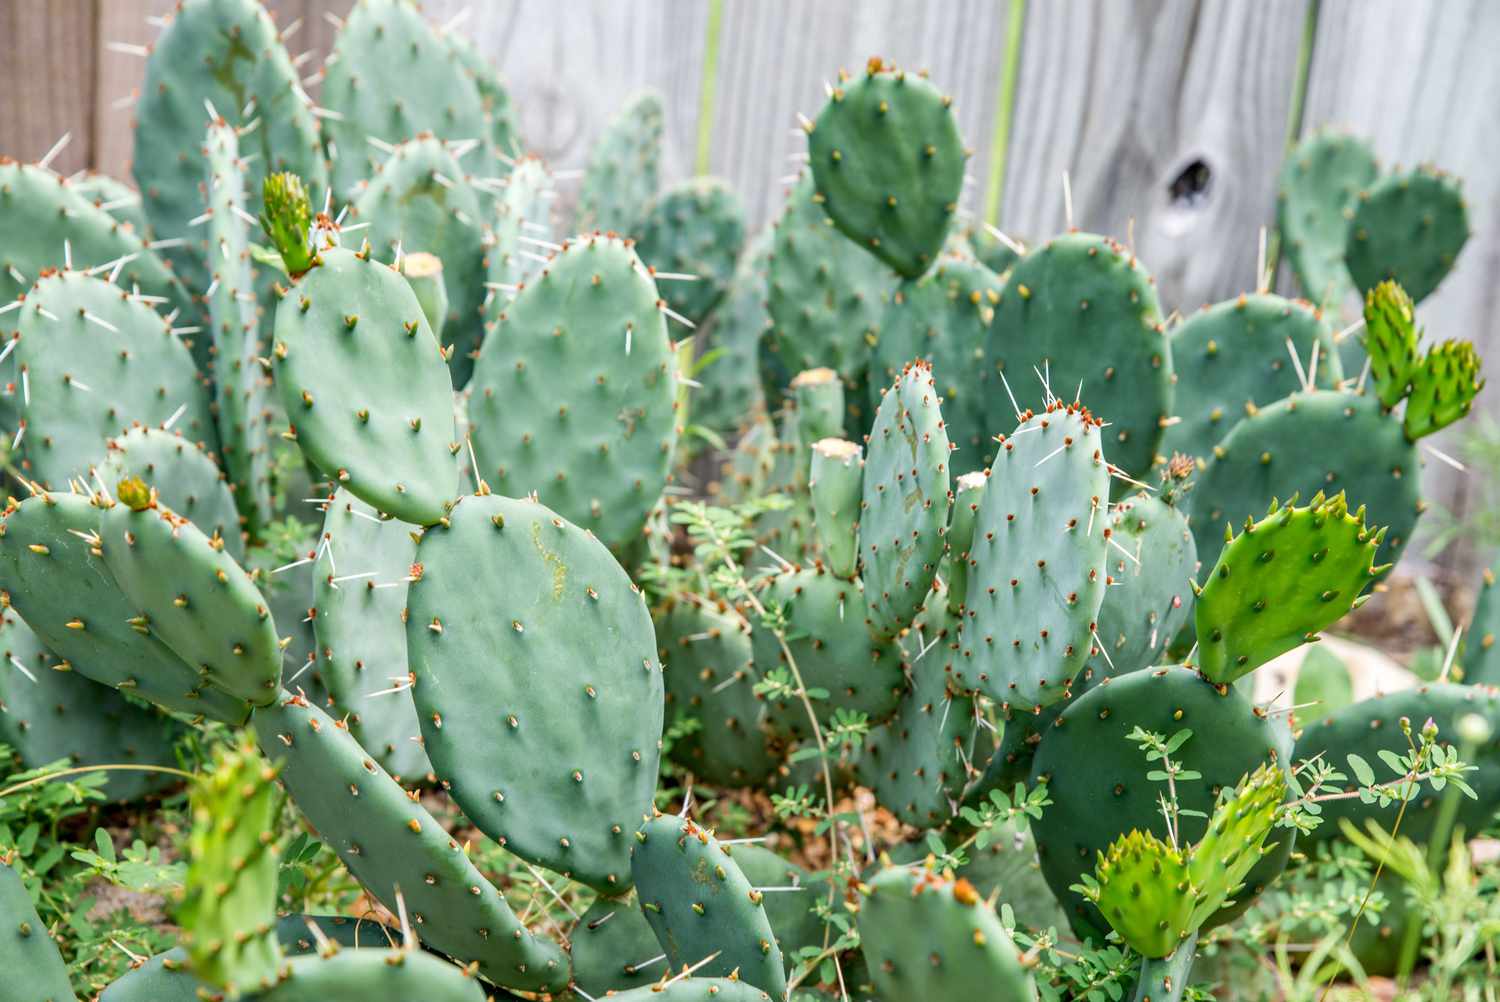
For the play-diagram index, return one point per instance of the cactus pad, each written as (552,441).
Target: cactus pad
(1409,227)
(693,228)
(623,169)
(695,990)
(615,948)
(1319,183)
(1145,892)
(1391,340)
(1443,388)
(187,480)
(1481,654)
(358,975)
(35,968)
(1149,593)
(114,196)
(834,484)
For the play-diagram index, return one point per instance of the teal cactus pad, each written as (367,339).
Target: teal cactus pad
(227,54)
(93,359)
(968,492)
(695,990)
(946,317)
(241,389)
(615,948)
(1232,358)
(793,914)
(731,392)
(623,171)
(504,140)
(828,637)
(904,511)
(1283,450)
(193,597)
(1280,581)
(363,571)
(927,936)
(556,755)
(1372,726)
(389,841)
(835,482)
(48,713)
(889,164)
(573,396)
(1091,807)
(1037,563)
(419,199)
(1443,388)
(1149,588)
(520,226)
(1081,311)
(284,575)
(390,77)
(114,196)
(708,660)
(695,227)
(365,385)
(35,971)
(1319,183)
(46,222)
(1408,226)
(54,576)
(359,975)
(700,903)
(186,478)
(826,296)
(1481,653)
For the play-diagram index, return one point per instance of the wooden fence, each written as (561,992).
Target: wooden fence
(1171,117)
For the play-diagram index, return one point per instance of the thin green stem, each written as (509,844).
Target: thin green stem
(1005,106)
(37,781)
(708,85)
(1294,121)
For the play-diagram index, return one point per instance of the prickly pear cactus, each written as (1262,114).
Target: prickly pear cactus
(35,968)
(1319,183)
(699,903)
(392,845)
(689,989)
(228,905)
(573,395)
(1408,226)
(889,164)
(190,482)
(1391,340)
(92,359)
(1280,581)
(1038,561)
(419,199)
(53,574)
(559,754)
(946,317)
(357,975)
(190,594)
(623,170)
(835,485)
(365,385)
(614,948)
(693,228)
(388,79)
(365,564)
(227,56)
(1443,388)
(926,935)
(1237,356)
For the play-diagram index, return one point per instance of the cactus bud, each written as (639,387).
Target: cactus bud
(286,218)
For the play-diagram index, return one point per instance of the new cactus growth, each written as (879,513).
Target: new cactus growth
(1443,388)
(1391,340)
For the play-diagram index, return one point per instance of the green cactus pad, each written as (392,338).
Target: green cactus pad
(1007,872)
(622,174)
(1235,841)
(834,484)
(53,573)
(573,394)
(46,223)
(1081,311)
(695,990)
(390,78)
(365,385)
(731,393)
(362,574)
(831,643)
(1391,340)
(228,901)
(92,360)
(904,511)
(424,273)
(1232,358)
(1166,979)
(1149,588)
(521,224)
(927,936)
(297,939)
(695,227)
(389,842)
(114,196)
(793,913)
(498,111)
(228,55)
(708,660)
(420,200)
(35,971)
(615,948)
(1319,183)
(1443,388)
(241,389)
(1145,892)
(48,712)
(889,164)
(358,975)
(700,903)
(1037,563)
(945,317)
(1481,654)
(284,574)
(187,480)
(1092,807)
(1283,450)
(1280,581)
(968,492)
(818,395)
(826,296)
(555,755)
(193,597)
(1373,726)
(1408,226)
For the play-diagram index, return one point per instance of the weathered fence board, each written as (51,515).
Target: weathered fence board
(47,80)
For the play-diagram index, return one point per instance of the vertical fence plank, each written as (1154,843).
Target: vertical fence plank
(46,80)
